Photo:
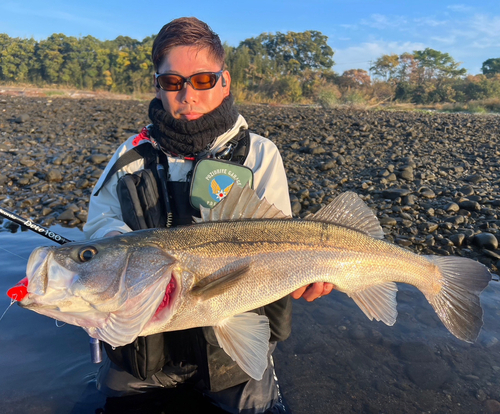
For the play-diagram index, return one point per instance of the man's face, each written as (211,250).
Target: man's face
(189,103)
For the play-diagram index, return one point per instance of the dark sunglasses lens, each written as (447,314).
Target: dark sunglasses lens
(204,80)
(171,82)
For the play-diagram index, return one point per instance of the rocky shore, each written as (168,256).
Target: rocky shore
(432,179)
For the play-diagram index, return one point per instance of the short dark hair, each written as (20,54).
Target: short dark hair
(187,31)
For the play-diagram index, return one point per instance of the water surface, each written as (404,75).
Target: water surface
(336,360)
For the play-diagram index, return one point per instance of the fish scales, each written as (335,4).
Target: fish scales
(319,251)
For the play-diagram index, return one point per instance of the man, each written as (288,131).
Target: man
(193,118)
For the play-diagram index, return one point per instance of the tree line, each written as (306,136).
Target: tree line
(430,76)
(119,65)
(279,67)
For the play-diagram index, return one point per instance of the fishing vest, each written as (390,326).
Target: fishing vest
(149,200)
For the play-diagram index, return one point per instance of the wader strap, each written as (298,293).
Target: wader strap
(242,148)
(140,152)
(240,145)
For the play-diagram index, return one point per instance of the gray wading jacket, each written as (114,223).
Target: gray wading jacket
(174,357)
(263,159)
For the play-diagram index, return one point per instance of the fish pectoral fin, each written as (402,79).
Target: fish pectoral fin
(219,281)
(245,338)
(378,302)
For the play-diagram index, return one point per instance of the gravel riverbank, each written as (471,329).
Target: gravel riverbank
(433,179)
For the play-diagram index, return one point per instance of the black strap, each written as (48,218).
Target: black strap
(240,147)
(140,152)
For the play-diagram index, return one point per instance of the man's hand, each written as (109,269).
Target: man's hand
(313,291)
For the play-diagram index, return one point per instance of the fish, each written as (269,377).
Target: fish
(241,255)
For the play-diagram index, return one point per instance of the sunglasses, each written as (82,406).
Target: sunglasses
(199,81)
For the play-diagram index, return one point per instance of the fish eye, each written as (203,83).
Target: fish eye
(87,253)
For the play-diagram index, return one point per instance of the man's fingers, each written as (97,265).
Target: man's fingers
(327,288)
(314,291)
(299,292)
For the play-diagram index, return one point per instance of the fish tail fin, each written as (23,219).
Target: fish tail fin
(457,302)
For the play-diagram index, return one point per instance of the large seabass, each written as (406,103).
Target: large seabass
(241,255)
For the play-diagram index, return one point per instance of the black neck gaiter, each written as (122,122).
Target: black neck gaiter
(182,137)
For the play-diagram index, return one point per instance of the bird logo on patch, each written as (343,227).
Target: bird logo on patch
(217,192)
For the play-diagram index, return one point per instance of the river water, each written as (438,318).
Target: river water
(336,360)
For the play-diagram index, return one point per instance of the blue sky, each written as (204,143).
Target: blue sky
(359,31)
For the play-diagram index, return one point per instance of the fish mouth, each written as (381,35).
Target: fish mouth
(36,271)
(37,278)
(47,280)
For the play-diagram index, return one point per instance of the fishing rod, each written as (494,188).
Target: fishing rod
(21,287)
(32,226)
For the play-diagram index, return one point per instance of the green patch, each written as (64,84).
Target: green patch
(213,179)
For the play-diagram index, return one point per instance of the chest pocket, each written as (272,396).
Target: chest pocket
(140,202)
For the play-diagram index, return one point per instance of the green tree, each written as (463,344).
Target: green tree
(5,42)
(436,65)
(71,68)
(141,67)
(125,42)
(491,66)
(294,52)
(408,68)
(94,61)
(260,64)
(479,87)
(257,45)
(49,54)
(130,65)
(237,61)
(16,59)
(395,69)
(386,67)
(289,53)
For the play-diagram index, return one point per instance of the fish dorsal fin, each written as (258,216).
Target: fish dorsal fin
(219,281)
(378,302)
(349,210)
(245,338)
(240,203)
